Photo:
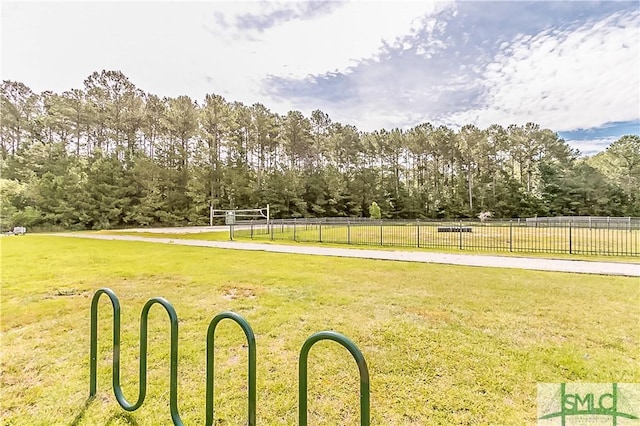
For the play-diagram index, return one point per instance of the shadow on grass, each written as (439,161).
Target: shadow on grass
(76,421)
(121,417)
(124,416)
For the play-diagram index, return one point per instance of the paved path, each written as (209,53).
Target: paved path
(577,266)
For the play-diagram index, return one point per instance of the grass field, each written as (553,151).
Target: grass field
(444,344)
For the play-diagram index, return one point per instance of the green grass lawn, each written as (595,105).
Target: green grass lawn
(444,344)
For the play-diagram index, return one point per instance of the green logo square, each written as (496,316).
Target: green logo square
(567,404)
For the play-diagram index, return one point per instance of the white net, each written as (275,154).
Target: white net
(231,215)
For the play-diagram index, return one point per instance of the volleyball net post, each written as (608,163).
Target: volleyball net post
(231,215)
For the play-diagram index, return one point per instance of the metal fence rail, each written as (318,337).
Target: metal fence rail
(173,374)
(600,222)
(618,238)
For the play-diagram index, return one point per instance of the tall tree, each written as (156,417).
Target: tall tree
(214,117)
(620,162)
(18,106)
(297,140)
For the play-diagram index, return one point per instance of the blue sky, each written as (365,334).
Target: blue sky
(573,67)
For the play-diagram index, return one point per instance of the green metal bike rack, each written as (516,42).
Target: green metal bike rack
(365,411)
(251,346)
(173,379)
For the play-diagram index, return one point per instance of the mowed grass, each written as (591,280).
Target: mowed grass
(444,344)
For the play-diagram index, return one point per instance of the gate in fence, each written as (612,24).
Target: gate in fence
(173,372)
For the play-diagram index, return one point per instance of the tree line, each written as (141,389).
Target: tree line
(110,155)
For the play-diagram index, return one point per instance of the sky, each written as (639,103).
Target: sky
(570,66)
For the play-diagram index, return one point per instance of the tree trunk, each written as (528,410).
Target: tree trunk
(470,180)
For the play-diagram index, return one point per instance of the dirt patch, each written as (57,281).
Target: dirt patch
(65,292)
(432,315)
(233,293)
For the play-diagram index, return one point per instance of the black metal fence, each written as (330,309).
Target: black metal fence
(605,222)
(616,238)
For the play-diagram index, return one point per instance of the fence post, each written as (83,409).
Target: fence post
(511,235)
(294,229)
(570,242)
(348,232)
(460,234)
(418,233)
(381,241)
(271,226)
(320,231)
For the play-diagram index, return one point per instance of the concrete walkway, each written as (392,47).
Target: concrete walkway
(576,266)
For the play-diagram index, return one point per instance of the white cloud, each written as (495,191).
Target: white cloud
(331,42)
(174,48)
(581,77)
(592,146)
(56,45)
(577,76)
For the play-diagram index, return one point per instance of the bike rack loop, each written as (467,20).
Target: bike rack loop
(251,347)
(365,412)
(173,380)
